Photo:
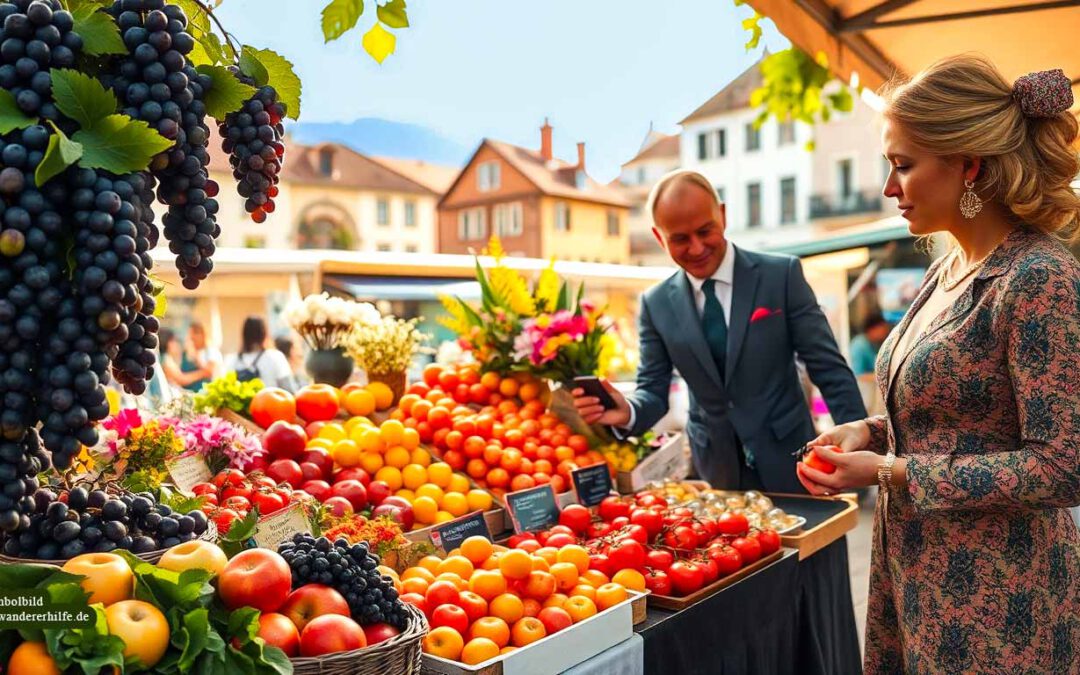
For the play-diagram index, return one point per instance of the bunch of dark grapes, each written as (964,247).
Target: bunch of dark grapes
(94,521)
(35,37)
(252,137)
(20,462)
(156,84)
(350,569)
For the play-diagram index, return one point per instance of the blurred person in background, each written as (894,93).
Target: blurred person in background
(257,360)
(295,356)
(172,356)
(199,358)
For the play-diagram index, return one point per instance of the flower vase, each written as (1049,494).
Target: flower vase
(394,380)
(329,366)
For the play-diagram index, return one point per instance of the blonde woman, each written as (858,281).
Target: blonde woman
(976,560)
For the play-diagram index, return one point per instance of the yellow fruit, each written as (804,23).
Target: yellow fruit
(429,490)
(333,431)
(631,579)
(478,500)
(384,395)
(392,432)
(425,509)
(439,474)
(410,438)
(391,476)
(413,476)
(32,658)
(443,517)
(455,503)
(324,443)
(371,462)
(406,494)
(346,453)
(419,456)
(360,402)
(458,483)
(371,441)
(398,457)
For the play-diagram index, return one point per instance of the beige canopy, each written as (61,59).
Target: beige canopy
(876,38)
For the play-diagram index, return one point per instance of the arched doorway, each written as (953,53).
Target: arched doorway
(326,225)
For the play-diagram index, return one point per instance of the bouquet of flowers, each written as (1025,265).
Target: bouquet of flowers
(546,330)
(385,346)
(324,322)
(222,443)
(134,450)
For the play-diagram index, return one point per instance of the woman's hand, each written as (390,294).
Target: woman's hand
(853,470)
(851,437)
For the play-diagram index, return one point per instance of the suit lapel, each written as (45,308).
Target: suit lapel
(688,323)
(744,289)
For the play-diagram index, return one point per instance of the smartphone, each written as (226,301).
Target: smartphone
(594,387)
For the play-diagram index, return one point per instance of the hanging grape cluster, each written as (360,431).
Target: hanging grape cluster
(252,137)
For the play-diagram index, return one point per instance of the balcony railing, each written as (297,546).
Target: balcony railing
(863,201)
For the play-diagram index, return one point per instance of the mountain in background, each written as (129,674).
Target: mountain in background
(384,138)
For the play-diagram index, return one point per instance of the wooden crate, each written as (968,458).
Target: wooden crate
(239,420)
(809,541)
(678,603)
(495,519)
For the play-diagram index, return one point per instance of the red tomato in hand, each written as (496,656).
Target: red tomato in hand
(814,461)
(732,523)
(769,540)
(686,577)
(748,548)
(658,582)
(626,554)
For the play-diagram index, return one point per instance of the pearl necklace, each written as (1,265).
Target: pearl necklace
(949,283)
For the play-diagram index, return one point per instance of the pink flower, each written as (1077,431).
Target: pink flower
(564,321)
(123,422)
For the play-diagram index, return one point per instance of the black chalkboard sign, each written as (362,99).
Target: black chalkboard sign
(533,509)
(450,534)
(592,483)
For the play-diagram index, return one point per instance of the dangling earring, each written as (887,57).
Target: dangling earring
(970,204)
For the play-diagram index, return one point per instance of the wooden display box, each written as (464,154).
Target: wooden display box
(669,462)
(239,420)
(496,520)
(682,602)
(558,652)
(809,541)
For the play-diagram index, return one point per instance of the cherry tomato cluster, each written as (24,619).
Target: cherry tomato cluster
(675,550)
(230,495)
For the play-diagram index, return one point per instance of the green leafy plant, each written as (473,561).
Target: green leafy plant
(341,16)
(227,392)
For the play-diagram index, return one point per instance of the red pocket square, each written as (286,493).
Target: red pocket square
(763,313)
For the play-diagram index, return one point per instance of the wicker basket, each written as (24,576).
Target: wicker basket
(400,655)
(151,557)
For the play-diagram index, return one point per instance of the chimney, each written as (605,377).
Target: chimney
(545,141)
(581,156)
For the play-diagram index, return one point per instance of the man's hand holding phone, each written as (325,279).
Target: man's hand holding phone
(598,402)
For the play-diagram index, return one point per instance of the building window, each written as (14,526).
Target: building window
(382,211)
(787,200)
(410,214)
(753,138)
(487,176)
(326,162)
(509,219)
(785,133)
(844,178)
(254,241)
(411,248)
(472,224)
(562,217)
(383,248)
(613,223)
(721,143)
(702,146)
(753,205)
(720,193)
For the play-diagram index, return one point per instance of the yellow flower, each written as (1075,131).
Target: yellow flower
(511,289)
(543,321)
(495,249)
(547,288)
(458,320)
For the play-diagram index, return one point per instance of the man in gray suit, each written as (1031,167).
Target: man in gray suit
(731,322)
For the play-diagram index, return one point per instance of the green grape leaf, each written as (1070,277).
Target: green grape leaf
(339,16)
(61,153)
(393,14)
(252,67)
(11,118)
(120,144)
(379,42)
(282,77)
(226,94)
(99,32)
(198,21)
(81,97)
(76,5)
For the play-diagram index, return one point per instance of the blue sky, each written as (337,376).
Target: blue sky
(600,70)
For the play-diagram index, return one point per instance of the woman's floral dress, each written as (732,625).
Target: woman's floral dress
(976,567)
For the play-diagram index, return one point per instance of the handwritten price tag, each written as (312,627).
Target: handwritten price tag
(449,535)
(533,509)
(592,483)
(189,471)
(281,525)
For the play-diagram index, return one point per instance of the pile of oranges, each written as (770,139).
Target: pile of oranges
(484,600)
(496,429)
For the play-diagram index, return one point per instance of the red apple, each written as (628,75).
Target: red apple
(329,634)
(377,632)
(258,578)
(416,600)
(402,515)
(319,489)
(278,630)
(286,471)
(313,428)
(450,615)
(339,506)
(397,501)
(322,459)
(311,471)
(312,600)
(554,619)
(353,490)
(354,473)
(377,491)
(285,441)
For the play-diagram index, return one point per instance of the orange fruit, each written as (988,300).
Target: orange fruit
(360,402)
(444,641)
(631,579)
(526,631)
(398,457)
(426,572)
(529,391)
(413,476)
(556,600)
(461,584)
(540,564)
(428,562)
(371,441)
(440,474)
(418,455)
(488,584)
(476,468)
(609,595)
(508,387)
(579,608)
(575,554)
(371,462)
(478,500)
(516,564)
(425,509)
(410,439)
(392,432)
(566,575)
(507,607)
(477,549)
(391,476)
(415,585)
(456,504)
(431,490)
(584,590)
(382,394)
(595,577)
(478,650)
(31,658)
(492,628)
(532,606)
(458,564)
(459,483)
(548,553)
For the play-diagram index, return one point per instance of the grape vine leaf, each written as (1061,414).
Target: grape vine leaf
(226,94)
(120,144)
(198,21)
(282,77)
(81,97)
(393,14)
(339,17)
(61,153)
(252,67)
(11,117)
(99,31)
(379,42)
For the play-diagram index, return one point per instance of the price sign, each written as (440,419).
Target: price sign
(533,509)
(449,535)
(281,525)
(592,483)
(189,471)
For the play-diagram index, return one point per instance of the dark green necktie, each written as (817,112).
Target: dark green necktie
(714,325)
